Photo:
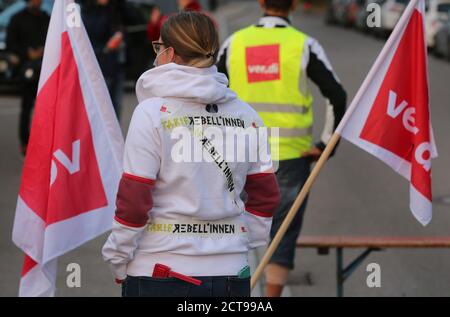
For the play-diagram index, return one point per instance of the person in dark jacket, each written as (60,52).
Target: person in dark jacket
(103,24)
(26,36)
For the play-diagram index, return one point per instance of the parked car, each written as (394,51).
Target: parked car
(442,40)
(354,7)
(5,3)
(330,17)
(335,6)
(363,14)
(343,12)
(391,11)
(437,15)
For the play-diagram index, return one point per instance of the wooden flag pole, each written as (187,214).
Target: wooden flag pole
(294,209)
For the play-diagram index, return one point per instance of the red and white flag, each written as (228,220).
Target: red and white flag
(390,116)
(74,157)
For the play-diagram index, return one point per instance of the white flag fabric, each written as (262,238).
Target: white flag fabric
(390,116)
(74,158)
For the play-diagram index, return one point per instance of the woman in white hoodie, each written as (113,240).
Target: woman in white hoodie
(181,228)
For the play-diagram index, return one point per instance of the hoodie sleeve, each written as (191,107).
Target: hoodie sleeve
(134,198)
(263,196)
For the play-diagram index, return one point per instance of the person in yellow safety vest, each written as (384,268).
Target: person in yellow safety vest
(268,66)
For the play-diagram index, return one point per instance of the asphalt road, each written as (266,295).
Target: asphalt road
(355,194)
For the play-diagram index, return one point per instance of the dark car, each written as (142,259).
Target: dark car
(442,40)
(5,3)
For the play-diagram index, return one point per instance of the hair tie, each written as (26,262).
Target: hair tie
(209,55)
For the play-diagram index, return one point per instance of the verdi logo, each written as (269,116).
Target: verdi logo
(262,69)
(263,63)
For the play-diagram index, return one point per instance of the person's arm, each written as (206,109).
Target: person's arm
(263,197)
(13,42)
(222,59)
(134,198)
(320,71)
(117,19)
(117,29)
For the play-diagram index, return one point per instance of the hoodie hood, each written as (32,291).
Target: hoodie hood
(196,85)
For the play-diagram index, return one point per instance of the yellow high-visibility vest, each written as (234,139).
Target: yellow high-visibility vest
(265,71)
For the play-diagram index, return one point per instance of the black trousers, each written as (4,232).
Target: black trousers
(212,286)
(29,91)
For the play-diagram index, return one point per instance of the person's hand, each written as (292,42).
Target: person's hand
(14,59)
(34,54)
(115,41)
(313,154)
(119,282)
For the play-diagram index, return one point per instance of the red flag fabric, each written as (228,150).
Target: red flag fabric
(74,157)
(390,115)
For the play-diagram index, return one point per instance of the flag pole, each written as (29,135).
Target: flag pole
(331,145)
(293,211)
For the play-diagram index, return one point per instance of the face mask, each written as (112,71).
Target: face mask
(155,63)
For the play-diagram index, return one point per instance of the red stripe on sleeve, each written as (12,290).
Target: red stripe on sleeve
(263,194)
(257,213)
(134,200)
(139,179)
(128,224)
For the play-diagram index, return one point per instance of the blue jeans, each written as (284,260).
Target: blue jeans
(212,286)
(291,176)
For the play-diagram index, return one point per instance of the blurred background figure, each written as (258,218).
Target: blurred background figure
(189,5)
(154,25)
(104,25)
(307,5)
(157,18)
(25,40)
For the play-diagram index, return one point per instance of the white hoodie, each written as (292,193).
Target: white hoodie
(186,215)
